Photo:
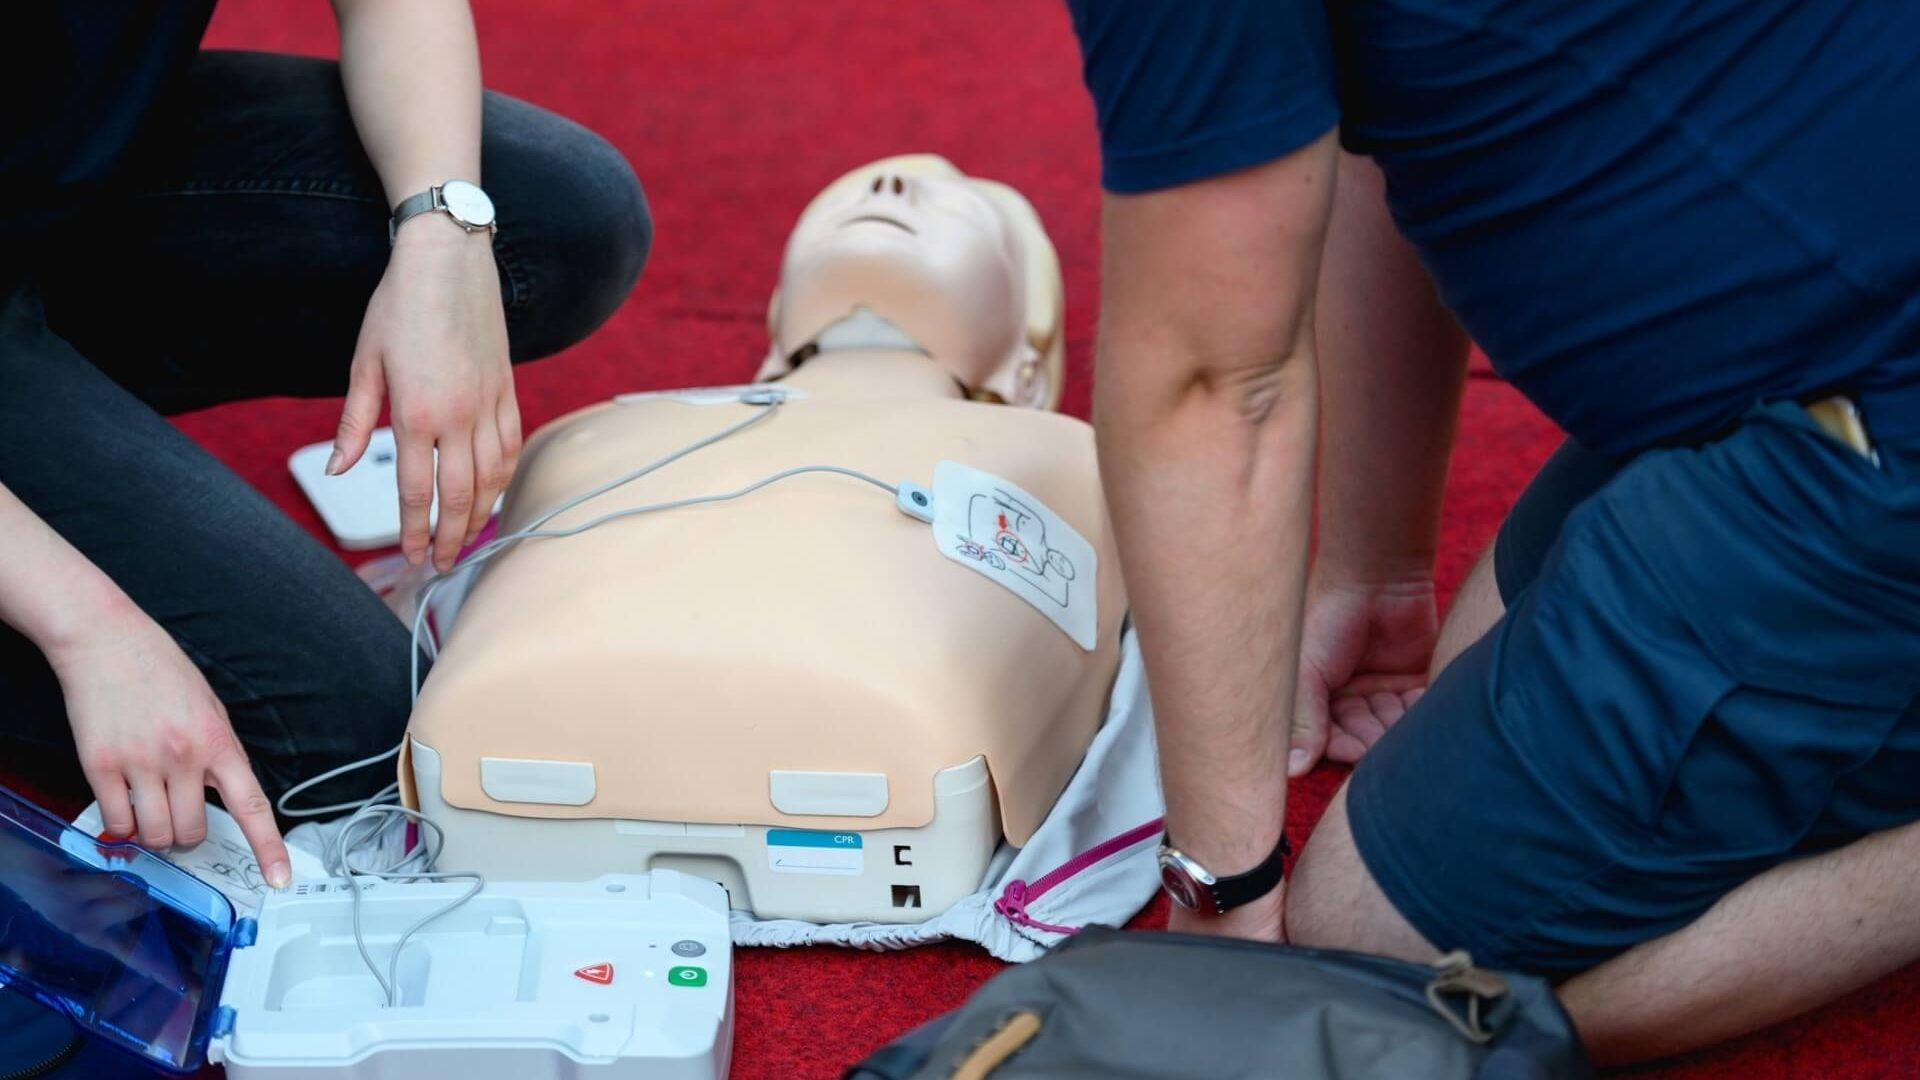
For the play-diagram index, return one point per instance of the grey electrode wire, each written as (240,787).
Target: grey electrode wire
(773,399)
(432,840)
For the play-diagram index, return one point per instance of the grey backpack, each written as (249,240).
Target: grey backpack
(1146,1006)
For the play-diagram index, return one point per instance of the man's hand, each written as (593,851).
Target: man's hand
(1261,920)
(1363,663)
(435,341)
(153,737)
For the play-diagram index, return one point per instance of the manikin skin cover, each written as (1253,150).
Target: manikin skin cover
(810,627)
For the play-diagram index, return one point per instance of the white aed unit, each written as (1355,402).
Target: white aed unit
(624,977)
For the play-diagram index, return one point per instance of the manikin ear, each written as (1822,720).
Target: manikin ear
(1047,352)
(1030,382)
(1038,376)
(1034,387)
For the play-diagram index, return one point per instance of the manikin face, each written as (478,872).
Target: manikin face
(932,255)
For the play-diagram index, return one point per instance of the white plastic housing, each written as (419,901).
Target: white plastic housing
(490,991)
(897,876)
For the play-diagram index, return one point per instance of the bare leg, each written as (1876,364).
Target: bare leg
(1476,607)
(1564,481)
(1794,938)
(1790,940)
(1333,902)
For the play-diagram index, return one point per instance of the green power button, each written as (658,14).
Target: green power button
(687,976)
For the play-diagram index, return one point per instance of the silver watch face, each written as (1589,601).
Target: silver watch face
(1186,881)
(467,203)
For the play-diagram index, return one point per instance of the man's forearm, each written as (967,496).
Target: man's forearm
(1205,408)
(412,75)
(1393,363)
(1211,508)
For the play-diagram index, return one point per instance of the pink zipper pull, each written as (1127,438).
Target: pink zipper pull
(1012,904)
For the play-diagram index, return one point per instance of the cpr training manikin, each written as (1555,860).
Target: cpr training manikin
(839,694)
(839,656)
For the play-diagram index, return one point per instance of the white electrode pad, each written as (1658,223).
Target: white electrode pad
(996,529)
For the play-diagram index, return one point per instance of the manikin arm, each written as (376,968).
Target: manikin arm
(1205,410)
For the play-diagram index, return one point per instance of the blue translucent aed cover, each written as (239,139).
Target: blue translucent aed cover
(130,946)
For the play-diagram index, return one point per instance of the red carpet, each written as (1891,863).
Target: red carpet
(734,113)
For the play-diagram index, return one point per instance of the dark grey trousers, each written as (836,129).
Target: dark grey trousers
(236,262)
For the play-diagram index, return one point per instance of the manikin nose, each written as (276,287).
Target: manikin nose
(888,186)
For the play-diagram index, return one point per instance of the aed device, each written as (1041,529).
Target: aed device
(626,976)
(361,507)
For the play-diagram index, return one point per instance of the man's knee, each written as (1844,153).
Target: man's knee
(1333,902)
(575,229)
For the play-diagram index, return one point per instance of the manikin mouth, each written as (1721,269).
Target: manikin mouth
(878,220)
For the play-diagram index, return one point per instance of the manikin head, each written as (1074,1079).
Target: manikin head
(960,267)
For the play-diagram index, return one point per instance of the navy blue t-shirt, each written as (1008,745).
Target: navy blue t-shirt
(1650,214)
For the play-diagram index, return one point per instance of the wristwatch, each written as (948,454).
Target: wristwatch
(1193,887)
(465,203)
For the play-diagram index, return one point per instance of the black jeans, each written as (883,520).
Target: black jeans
(237,263)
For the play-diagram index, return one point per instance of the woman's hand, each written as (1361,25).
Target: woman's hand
(153,737)
(435,341)
(1364,652)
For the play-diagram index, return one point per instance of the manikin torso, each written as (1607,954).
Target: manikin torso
(809,626)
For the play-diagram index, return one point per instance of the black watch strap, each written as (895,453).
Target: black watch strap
(1232,892)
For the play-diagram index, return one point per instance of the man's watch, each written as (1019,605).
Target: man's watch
(1193,887)
(465,203)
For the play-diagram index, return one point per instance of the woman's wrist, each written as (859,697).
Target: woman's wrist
(438,230)
(98,610)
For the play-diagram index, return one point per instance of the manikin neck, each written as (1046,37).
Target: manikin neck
(891,373)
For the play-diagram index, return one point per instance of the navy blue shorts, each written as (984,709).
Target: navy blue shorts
(1710,664)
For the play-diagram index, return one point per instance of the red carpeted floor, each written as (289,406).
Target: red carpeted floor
(734,112)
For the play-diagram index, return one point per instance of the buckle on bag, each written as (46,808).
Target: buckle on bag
(1459,992)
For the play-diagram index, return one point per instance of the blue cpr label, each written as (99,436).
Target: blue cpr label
(808,851)
(810,838)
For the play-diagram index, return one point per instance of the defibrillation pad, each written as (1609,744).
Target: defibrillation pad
(625,976)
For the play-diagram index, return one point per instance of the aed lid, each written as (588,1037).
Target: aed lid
(128,945)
